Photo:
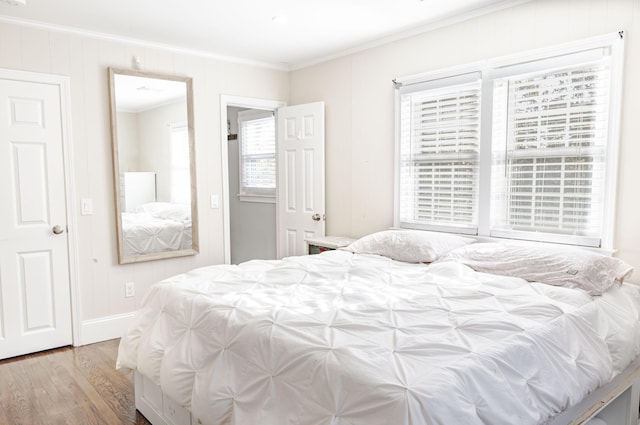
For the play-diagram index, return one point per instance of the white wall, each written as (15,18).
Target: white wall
(154,143)
(144,142)
(85,61)
(128,141)
(358,94)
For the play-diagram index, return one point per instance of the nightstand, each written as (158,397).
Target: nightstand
(326,243)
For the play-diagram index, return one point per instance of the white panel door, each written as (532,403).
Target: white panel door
(35,312)
(300,151)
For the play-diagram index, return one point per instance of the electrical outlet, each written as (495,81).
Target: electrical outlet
(129,289)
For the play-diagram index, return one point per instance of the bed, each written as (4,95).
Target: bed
(371,335)
(156,227)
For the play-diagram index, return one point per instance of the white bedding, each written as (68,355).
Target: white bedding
(157,227)
(341,339)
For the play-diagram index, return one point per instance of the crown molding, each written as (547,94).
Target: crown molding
(143,43)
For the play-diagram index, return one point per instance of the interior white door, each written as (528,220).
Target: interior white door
(300,182)
(35,312)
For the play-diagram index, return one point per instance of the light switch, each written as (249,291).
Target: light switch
(86,206)
(215,201)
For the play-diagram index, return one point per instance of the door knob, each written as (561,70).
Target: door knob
(316,217)
(57,229)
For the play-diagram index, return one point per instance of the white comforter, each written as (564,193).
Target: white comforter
(351,339)
(144,233)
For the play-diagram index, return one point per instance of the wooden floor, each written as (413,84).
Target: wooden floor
(74,386)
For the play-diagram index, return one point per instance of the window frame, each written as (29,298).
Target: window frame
(454,81)
(255,194)
(492,69)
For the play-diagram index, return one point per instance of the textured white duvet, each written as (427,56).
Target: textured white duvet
(144,233)
(339,338)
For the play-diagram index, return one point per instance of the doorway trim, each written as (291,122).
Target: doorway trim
(240,102)
(64,86)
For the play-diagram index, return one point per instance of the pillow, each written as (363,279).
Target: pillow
(411,246)
(570,268)
(167,211)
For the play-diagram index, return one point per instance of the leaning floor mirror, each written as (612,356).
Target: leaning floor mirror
(153,165)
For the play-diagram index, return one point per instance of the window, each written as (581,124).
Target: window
(439,136)
(179,165)
(553,151)
(520,148)
(257,155)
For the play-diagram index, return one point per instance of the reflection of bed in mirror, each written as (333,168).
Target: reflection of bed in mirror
(156,227)
(150,226)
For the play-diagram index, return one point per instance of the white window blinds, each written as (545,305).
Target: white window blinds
(550,131)
(439,146)
(521,147)
(257,153)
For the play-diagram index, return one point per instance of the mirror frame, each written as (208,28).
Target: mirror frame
(195,249)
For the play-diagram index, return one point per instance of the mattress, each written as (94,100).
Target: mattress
(341,338)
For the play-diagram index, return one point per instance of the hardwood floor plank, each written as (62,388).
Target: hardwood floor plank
(105,383)
(120,383)
(70,394)
(65,391)
(68,386)
(11,400)
(33,386)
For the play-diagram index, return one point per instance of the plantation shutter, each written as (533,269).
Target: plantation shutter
(551,131)
(257,153)
(439,148)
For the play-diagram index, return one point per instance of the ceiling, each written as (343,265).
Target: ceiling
(245,30)
(136,94)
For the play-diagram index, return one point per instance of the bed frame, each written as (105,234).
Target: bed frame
(617,403)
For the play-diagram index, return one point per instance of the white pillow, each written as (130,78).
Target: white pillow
(167,211)
(411,246)
(570,268)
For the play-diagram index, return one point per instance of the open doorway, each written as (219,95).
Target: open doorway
(250,215)
(299,162)
(252,192)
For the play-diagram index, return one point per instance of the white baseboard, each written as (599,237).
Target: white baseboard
(104,328)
